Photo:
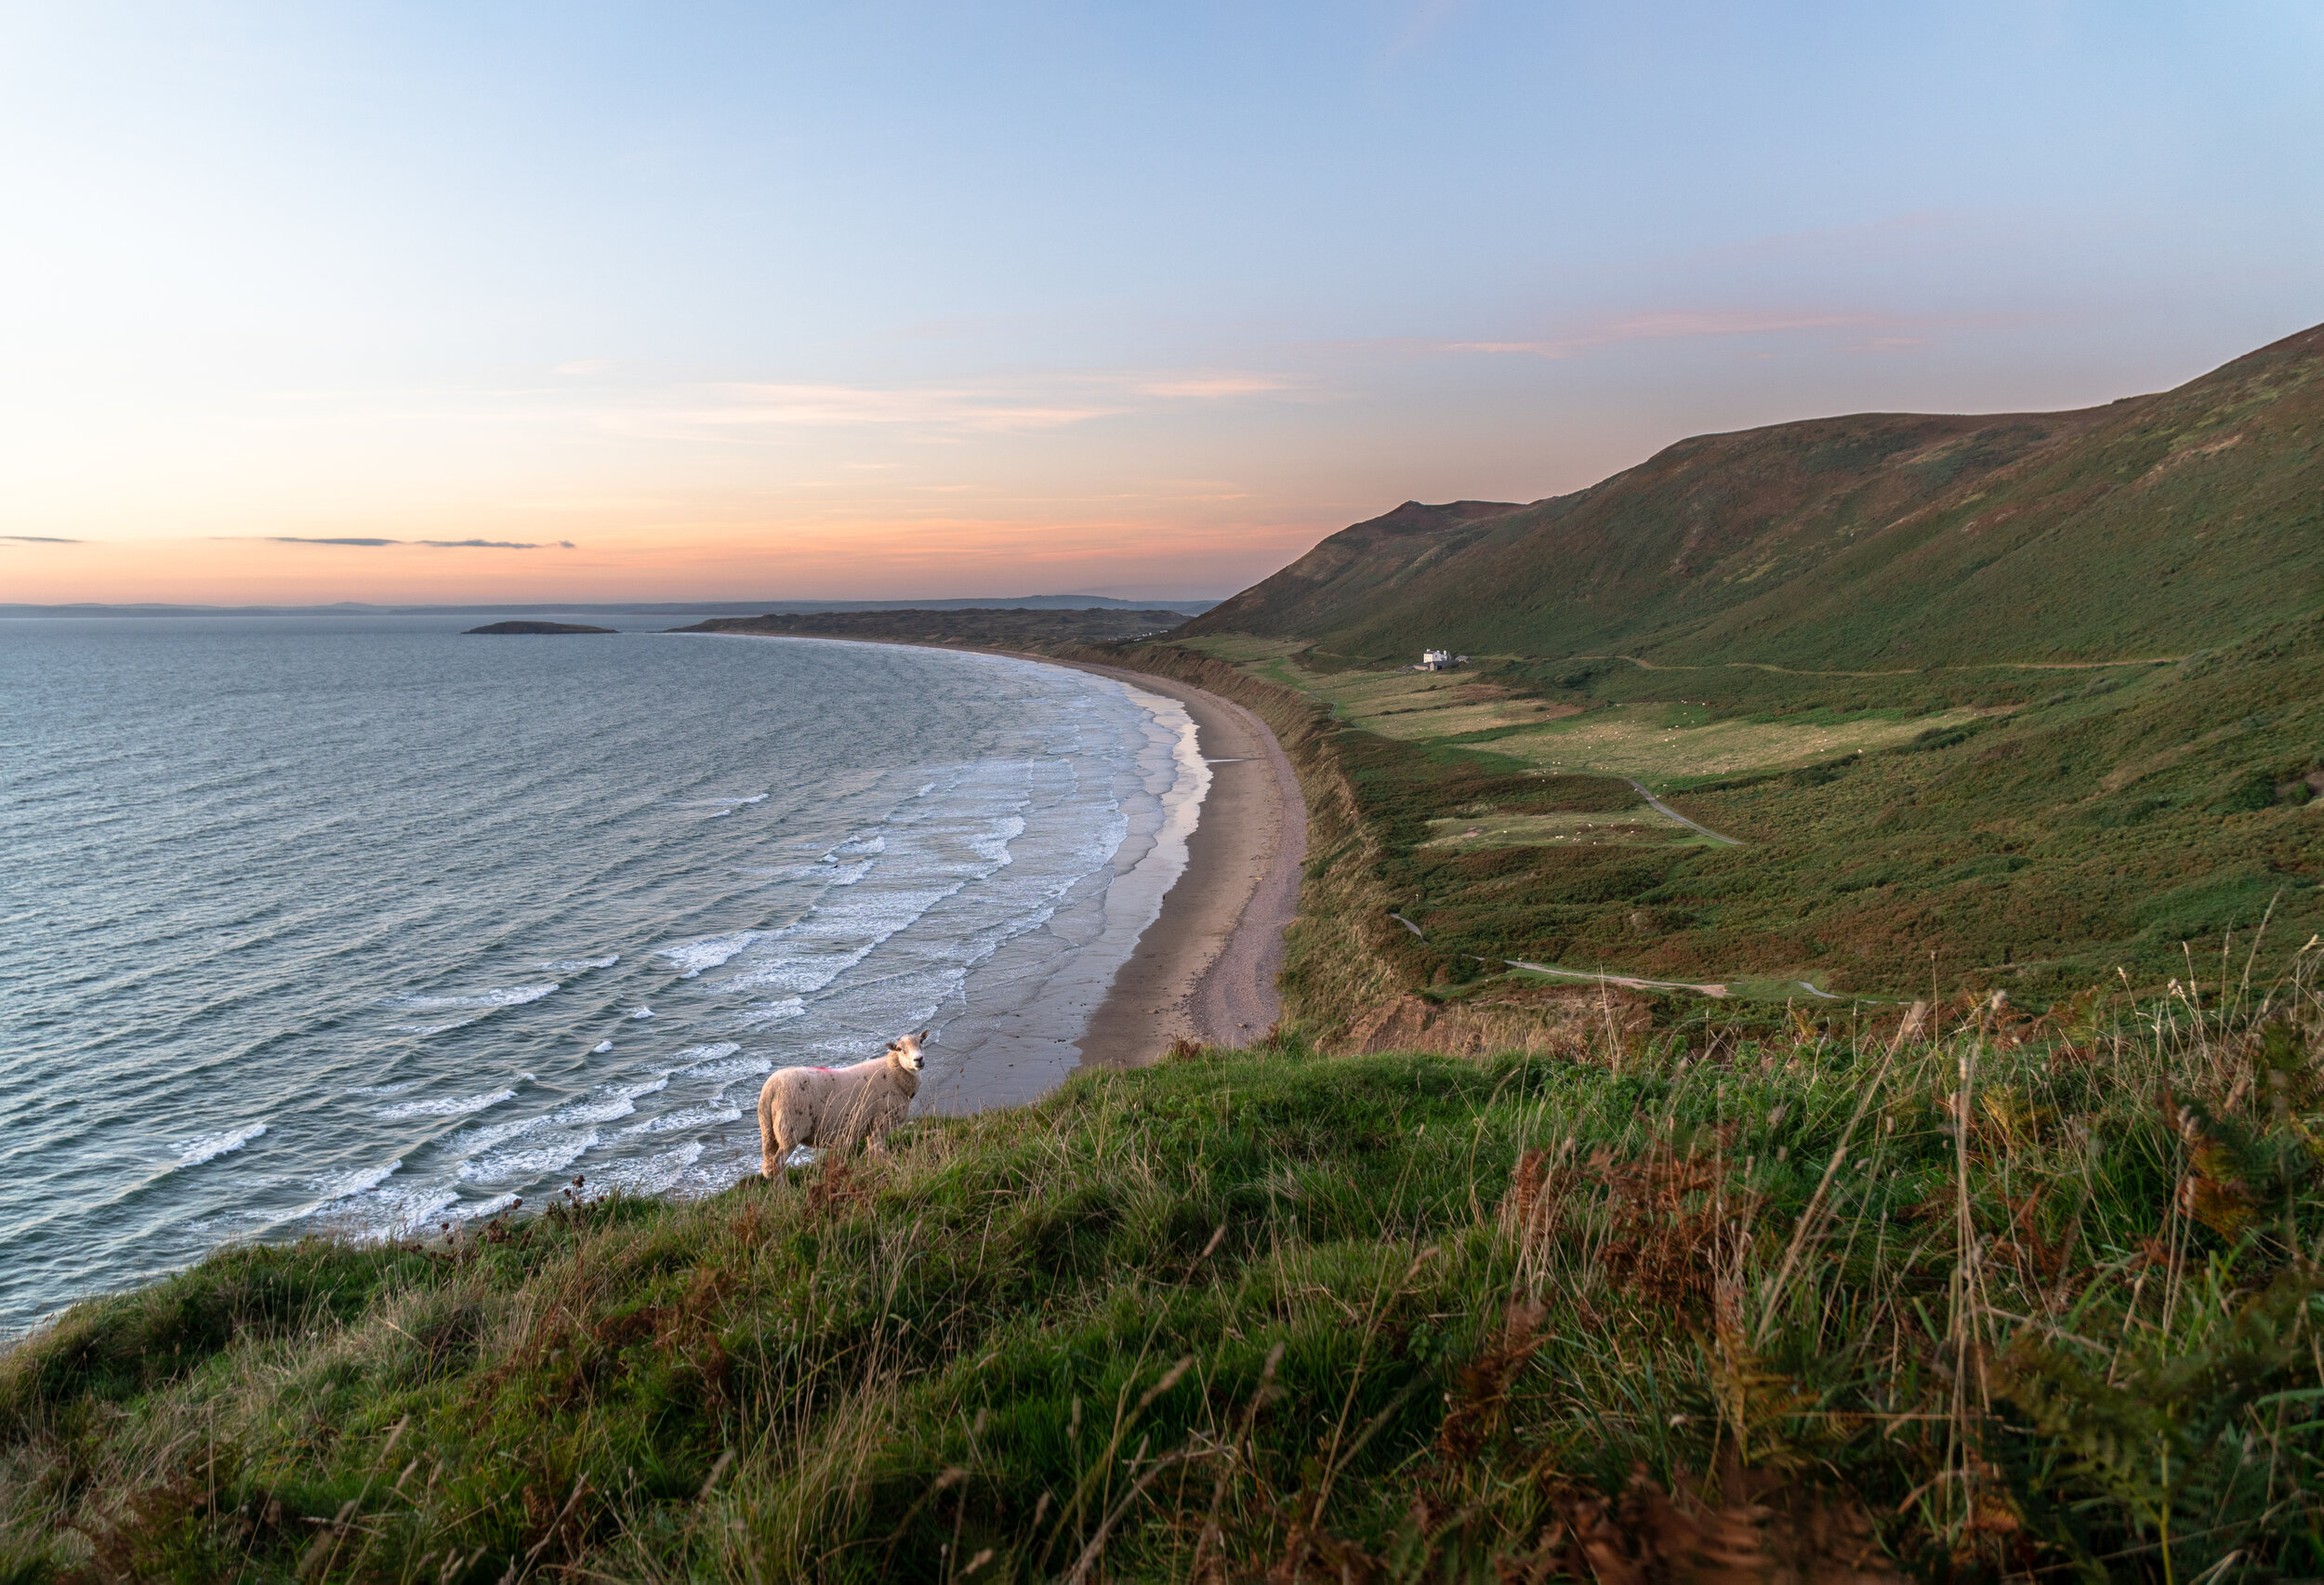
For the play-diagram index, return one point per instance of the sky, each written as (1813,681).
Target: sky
(527,302)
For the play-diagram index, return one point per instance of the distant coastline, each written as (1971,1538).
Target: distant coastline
(992,626)
(619,608)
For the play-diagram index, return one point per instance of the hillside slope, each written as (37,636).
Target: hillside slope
(2154,526)
(1356,569)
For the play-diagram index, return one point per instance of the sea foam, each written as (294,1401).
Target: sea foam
(360,1180)
(706,952)
(508,996)
(204,1147)
(443,1106)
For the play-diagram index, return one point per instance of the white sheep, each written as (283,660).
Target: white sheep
(834,1107)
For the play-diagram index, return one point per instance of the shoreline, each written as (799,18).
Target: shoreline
(1205,969)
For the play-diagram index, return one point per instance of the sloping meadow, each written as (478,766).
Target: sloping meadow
(2051,828)
(2017,1297)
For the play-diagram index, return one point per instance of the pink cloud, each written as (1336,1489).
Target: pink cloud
(1677,327)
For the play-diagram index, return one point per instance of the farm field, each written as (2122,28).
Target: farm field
(1665,744)
(1662,742)
(2033,829)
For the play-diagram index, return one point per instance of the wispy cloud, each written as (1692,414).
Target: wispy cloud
(949,410)
(430,544)
(1211,386)
(39,539)
(1678,326)
(960,408)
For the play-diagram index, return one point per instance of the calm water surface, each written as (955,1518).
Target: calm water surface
(364,924)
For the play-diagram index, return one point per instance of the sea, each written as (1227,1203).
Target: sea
(368,926)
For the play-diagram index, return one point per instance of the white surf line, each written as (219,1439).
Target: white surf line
(1622,980)
(1668,813)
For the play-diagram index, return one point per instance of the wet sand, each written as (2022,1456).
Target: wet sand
(1206,968)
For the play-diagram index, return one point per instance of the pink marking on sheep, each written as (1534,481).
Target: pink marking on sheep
(837,1107)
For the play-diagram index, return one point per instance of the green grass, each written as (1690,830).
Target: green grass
(1273,1313)
(2036,831)
(1661,740)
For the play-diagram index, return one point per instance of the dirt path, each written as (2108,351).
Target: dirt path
(1669,813)
(1638,985)
(1622,980)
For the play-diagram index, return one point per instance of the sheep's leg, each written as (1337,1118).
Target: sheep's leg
(769,1156)
(883,1118)
(853,1127)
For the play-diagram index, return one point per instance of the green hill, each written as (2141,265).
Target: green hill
(2151,527)
(2019,702)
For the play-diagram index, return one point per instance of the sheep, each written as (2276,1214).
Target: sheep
(837,1106)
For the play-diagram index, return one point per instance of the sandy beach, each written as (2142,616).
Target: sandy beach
(1206,968)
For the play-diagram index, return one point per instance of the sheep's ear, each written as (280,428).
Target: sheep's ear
(923,1035)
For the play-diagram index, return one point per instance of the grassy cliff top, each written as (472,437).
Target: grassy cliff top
(1825,1305)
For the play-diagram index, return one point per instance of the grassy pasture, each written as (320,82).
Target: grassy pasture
(2035,829)
(1665,743)
(1662,740)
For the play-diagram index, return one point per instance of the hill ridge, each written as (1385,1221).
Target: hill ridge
(2161,523)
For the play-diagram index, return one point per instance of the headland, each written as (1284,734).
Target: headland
(507,630)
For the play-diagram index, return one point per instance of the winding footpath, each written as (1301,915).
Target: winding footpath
(1669,813)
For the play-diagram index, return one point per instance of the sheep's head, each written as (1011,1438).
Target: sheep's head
(906,1052)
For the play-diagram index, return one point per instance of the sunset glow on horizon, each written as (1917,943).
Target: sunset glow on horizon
(410,304)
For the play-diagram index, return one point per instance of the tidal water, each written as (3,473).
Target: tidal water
(364,925)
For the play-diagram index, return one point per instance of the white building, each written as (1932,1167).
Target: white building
(1436,660)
